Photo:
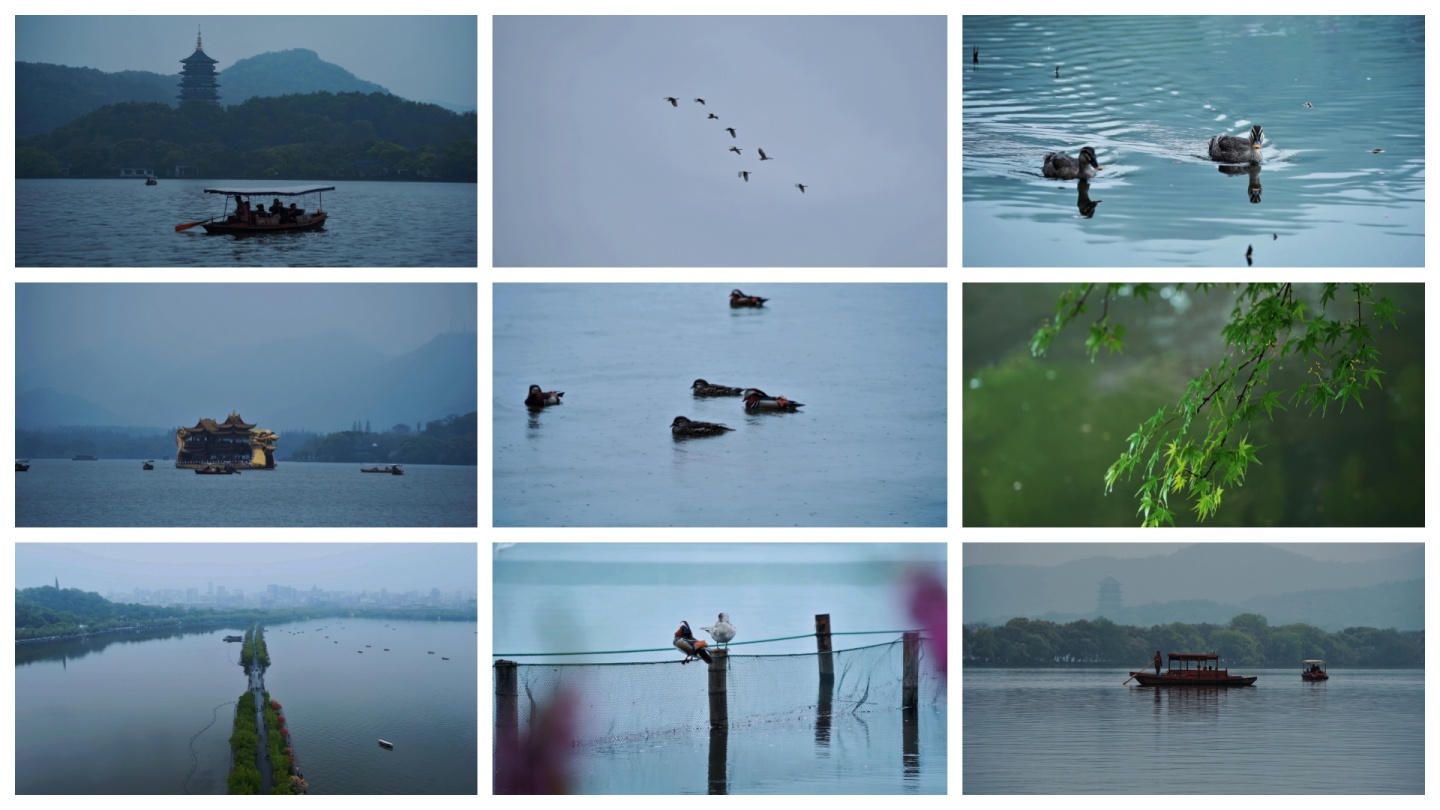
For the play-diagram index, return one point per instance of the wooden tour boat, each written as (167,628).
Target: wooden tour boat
(1314,670)
(22,465)
(217,469)
(148,465)
(247,220)
(1193,669)
(395,470)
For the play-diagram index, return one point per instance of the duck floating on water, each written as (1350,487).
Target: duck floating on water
(757,400)
(686,643)
(722,631)
(540,399)
(739,299)
(1060,165)
(1230,149)
(700,388)
(683,427)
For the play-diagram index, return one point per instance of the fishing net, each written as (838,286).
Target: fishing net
(641,700)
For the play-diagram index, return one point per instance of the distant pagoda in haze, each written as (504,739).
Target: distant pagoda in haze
(1108,604)
(197,80)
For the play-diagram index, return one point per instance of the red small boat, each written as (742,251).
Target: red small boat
(1314,670)
(1193,669)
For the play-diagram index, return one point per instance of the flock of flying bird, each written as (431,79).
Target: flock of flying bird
(743,175)
(722,631)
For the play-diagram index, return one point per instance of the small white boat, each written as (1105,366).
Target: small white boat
(386,744)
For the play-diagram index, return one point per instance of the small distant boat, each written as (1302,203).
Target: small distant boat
(148,465)
(393,470)
(443,658)
(429,652)
(387,649)
(214,469)
(386,744)
(234,638)
(1314,670)
(367,646)
(150,181)
(83,457)
(21,465)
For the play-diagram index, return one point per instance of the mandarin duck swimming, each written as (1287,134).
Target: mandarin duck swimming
(757,400)
(683,428)
(739,299)
(687,643)
(539,399)
(722,631)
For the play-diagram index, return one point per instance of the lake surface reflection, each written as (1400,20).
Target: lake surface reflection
(1341,101)
(1080,731)
(124,223)
(147,713)
(116,492)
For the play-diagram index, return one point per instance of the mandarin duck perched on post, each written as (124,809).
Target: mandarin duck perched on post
(687,643)
(722,631)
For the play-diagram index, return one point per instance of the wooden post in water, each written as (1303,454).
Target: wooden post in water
(507,706)
(822,644)
(910,685)
(719,709)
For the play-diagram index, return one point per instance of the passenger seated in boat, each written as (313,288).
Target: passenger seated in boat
(295,211)
(276,207)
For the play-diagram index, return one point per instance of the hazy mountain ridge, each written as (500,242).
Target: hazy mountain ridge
(48,96)
(1221,573)
(320,383)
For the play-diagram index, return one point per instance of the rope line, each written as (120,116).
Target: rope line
(194,760)
(758,655)
(668,649)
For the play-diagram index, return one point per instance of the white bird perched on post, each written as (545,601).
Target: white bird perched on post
(722,631)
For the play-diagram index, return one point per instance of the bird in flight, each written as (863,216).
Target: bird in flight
(735,149)
(712,115)
(763,157)
(699,101)
(800,186)
(745,175)
(730,130)
(672,101)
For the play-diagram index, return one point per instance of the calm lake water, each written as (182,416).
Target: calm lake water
(116,492)
(1080,731)
(868,448)
(117,713)
(777,743)
(1148,93)
(125,223)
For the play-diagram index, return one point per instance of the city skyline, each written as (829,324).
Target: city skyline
(397,568)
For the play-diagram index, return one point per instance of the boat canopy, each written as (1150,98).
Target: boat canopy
(1314,660)
(1194,656)
(270,191)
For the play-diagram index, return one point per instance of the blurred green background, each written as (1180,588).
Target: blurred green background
(1039,433)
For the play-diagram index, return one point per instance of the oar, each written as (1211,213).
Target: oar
(1132,677)
(188,225)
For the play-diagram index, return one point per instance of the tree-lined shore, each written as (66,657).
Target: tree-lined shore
(1247,640)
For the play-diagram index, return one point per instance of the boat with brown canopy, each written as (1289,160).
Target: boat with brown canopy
(246,219)
(1193,669)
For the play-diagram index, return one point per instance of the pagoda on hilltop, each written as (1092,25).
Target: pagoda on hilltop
(197,80)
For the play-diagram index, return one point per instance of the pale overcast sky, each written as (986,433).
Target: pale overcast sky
(101,567)
(1059,553)
(419,58)
(56,320)
(594,168)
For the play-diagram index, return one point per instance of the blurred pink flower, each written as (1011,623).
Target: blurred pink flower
(928,607)
(538,762)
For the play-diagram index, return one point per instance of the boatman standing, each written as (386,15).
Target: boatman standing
(1157,663)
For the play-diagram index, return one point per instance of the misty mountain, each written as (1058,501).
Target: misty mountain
(1242,576)
(48,96)
(281,73)
(432,382)
(65,409)
(323,383)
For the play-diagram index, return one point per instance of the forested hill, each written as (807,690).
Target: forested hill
(316,136)
(47,96)
(1247,641)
